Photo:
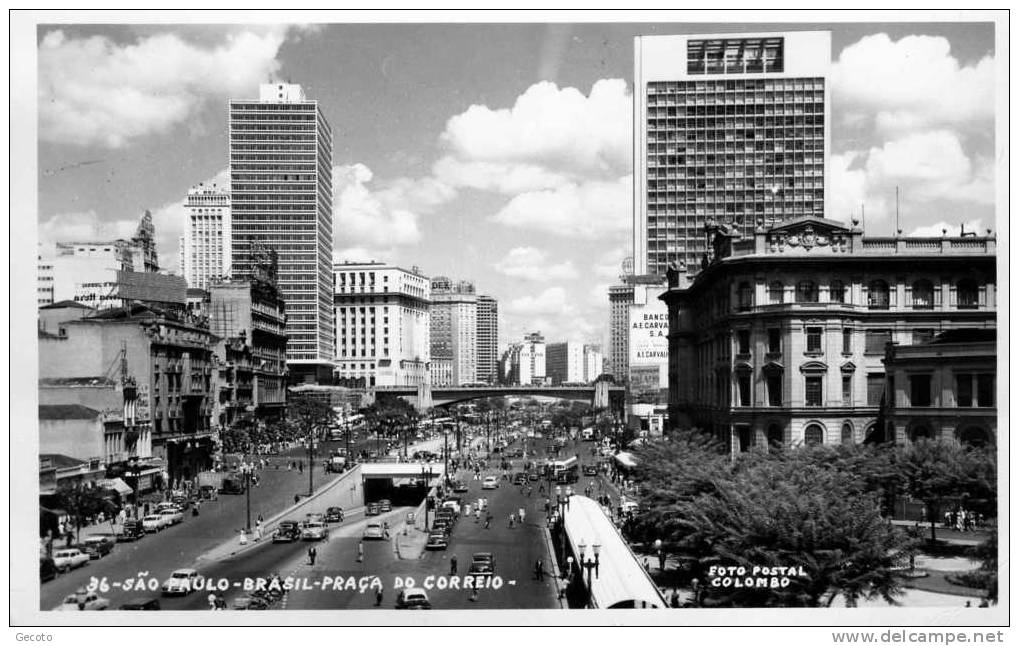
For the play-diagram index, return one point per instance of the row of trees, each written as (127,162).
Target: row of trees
(824,509)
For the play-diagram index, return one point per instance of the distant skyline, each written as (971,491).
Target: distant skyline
(499,153)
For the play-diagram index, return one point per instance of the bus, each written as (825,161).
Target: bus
(563,471)
(353,422)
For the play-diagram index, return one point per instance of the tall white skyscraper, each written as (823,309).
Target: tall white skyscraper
(733,128)
(281,184)
(488,339)
(207,231)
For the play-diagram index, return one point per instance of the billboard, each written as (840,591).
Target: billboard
(649,344)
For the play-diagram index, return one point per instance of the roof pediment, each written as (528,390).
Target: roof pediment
(819,225)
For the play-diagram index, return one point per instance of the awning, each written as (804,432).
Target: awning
(117,485)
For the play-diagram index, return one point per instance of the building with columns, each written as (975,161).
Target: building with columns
(781,338)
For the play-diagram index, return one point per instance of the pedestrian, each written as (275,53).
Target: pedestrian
(312,553)
(300,467)
(452,565)
(243,538)
(290,466)
(378,595)
(539,570)
(488,524)
(360,551)
(477,515)
(520,515)
(212,601)
(258,531)
(674,599)
(385,529)
(297,498)
(647,566)
(512,519)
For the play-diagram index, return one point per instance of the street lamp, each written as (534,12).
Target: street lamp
(589,562)
(246,470)
(311,462)
(661,555)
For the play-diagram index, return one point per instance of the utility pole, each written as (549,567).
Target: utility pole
(311,462)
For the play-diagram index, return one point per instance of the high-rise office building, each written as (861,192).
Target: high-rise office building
(593,363)
(620,299)
(382,321)
(730,128)
(564,362)
(488,339)
(532,360)
(281,185)
(453,328)
(205,254)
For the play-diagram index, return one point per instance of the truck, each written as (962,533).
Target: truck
(233,484)
(212,479)
(336,464)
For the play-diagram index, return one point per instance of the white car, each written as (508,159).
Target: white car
(374,532)
(172,516)
(154,523)
(82,600)
(182,581)
(490,482)
(452,504)
(69,558)
(314,531)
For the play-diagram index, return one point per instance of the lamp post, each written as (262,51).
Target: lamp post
(246,470)
(661,555)
(589,560)
(311,461)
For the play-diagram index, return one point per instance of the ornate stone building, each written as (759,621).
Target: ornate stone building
(780,339)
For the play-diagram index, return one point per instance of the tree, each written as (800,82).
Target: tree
(933,471)
(82,502)
(765,511)
(314,418)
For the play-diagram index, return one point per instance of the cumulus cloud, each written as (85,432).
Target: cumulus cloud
(94,91)
(911,84)
(533,264)
(83,226)
(376,218)
(363,254)
(928,167)
(589,210)
(509,178)
(558,128)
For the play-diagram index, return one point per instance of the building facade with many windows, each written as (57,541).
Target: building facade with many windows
(205,245)
(382,322)
(453,332)
(488,339)
(727,127)
(281,183)
(781,339)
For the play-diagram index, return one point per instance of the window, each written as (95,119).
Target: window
(745,295)
(847,390)
(876,340)
(806,292)
(743,341)
(774,340)
(847,434)
(775,389)
(847,340)
(964,389)
(967,294)
(923,295)
(743,388)
(919,390)
(775,439)
(775,293)
(877,295)
(812,392)
(813,435)
(837,292)
(985,390)
(875,388)
(814,340)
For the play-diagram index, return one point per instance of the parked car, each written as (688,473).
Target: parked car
(437,541)
(519,478)
(154,523)
(490,482)
(533,476)
(287,531)
(132,531)
(315,517)
(443,525)
(460,487)
(374,532)
(68,558)
(82,600)
(182,502)
(385,505)
(141,603)
(452,503)
(413,599)
(630,507)
(173,516)
(334,515)
(371,509)
(183,582)
(483,563)
(47,569)
(590,469)
(314,531)
(98,545)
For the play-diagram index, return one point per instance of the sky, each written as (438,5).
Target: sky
(499,153)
